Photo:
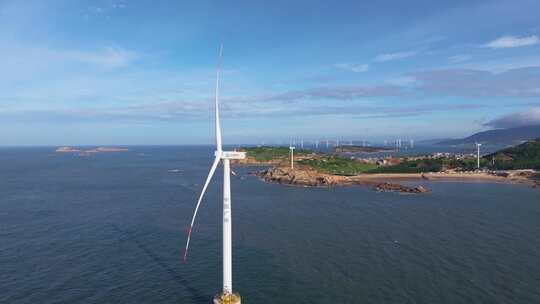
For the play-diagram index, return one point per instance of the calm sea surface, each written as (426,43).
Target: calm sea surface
(110,228)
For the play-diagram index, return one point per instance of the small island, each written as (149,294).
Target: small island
(67,149)
(315,169)
(81,152)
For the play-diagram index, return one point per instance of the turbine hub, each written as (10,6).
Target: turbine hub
(231,155)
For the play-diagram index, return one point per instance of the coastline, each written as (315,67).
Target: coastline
(308,177)
(320,171)
(449,177)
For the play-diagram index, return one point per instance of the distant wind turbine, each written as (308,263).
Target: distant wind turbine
(478,155)
(291,150)
(227,295)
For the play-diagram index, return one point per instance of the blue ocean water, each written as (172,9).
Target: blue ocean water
(110,228)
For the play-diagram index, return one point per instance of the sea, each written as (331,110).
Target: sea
(111,228)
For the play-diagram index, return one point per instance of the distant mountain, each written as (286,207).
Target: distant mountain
(524,156)
(497,136)
(430,142)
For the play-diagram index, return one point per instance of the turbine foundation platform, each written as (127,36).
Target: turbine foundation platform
(232,298)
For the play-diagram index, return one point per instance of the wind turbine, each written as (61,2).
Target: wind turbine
(291,149)
(478,155)
(227,295)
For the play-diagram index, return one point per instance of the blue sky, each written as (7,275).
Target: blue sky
(142,72)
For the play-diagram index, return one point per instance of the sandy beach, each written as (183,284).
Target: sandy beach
(513,177)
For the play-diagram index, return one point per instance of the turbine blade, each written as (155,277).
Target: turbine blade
(208,179)
(218,125)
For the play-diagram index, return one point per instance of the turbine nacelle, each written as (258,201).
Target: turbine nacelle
(230,154)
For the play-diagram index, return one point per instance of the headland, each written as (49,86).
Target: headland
(316,169)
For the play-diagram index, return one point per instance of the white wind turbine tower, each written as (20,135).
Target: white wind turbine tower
(478,155)
(227,295)
(291,152)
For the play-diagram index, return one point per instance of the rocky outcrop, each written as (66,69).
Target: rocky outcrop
(310,178)
(390,187)
(297,177)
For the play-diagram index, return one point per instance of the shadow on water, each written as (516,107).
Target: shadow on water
(196,295)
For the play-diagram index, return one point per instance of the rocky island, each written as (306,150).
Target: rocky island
(67,149)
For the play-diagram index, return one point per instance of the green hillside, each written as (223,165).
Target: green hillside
(524,156)
(266,153)
(337,165)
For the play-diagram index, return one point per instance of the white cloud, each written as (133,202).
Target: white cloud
(515,83)
(27,61)
(97,10)
(459,58)
(528,117)
(184,110)
(402,81)
(119,5)
(393,56)
(512,42)
(108,57)
(353,67)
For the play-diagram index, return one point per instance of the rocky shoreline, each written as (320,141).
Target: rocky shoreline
(307,177)
(296,177)
(391,187)
(311,178)
(278,171)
